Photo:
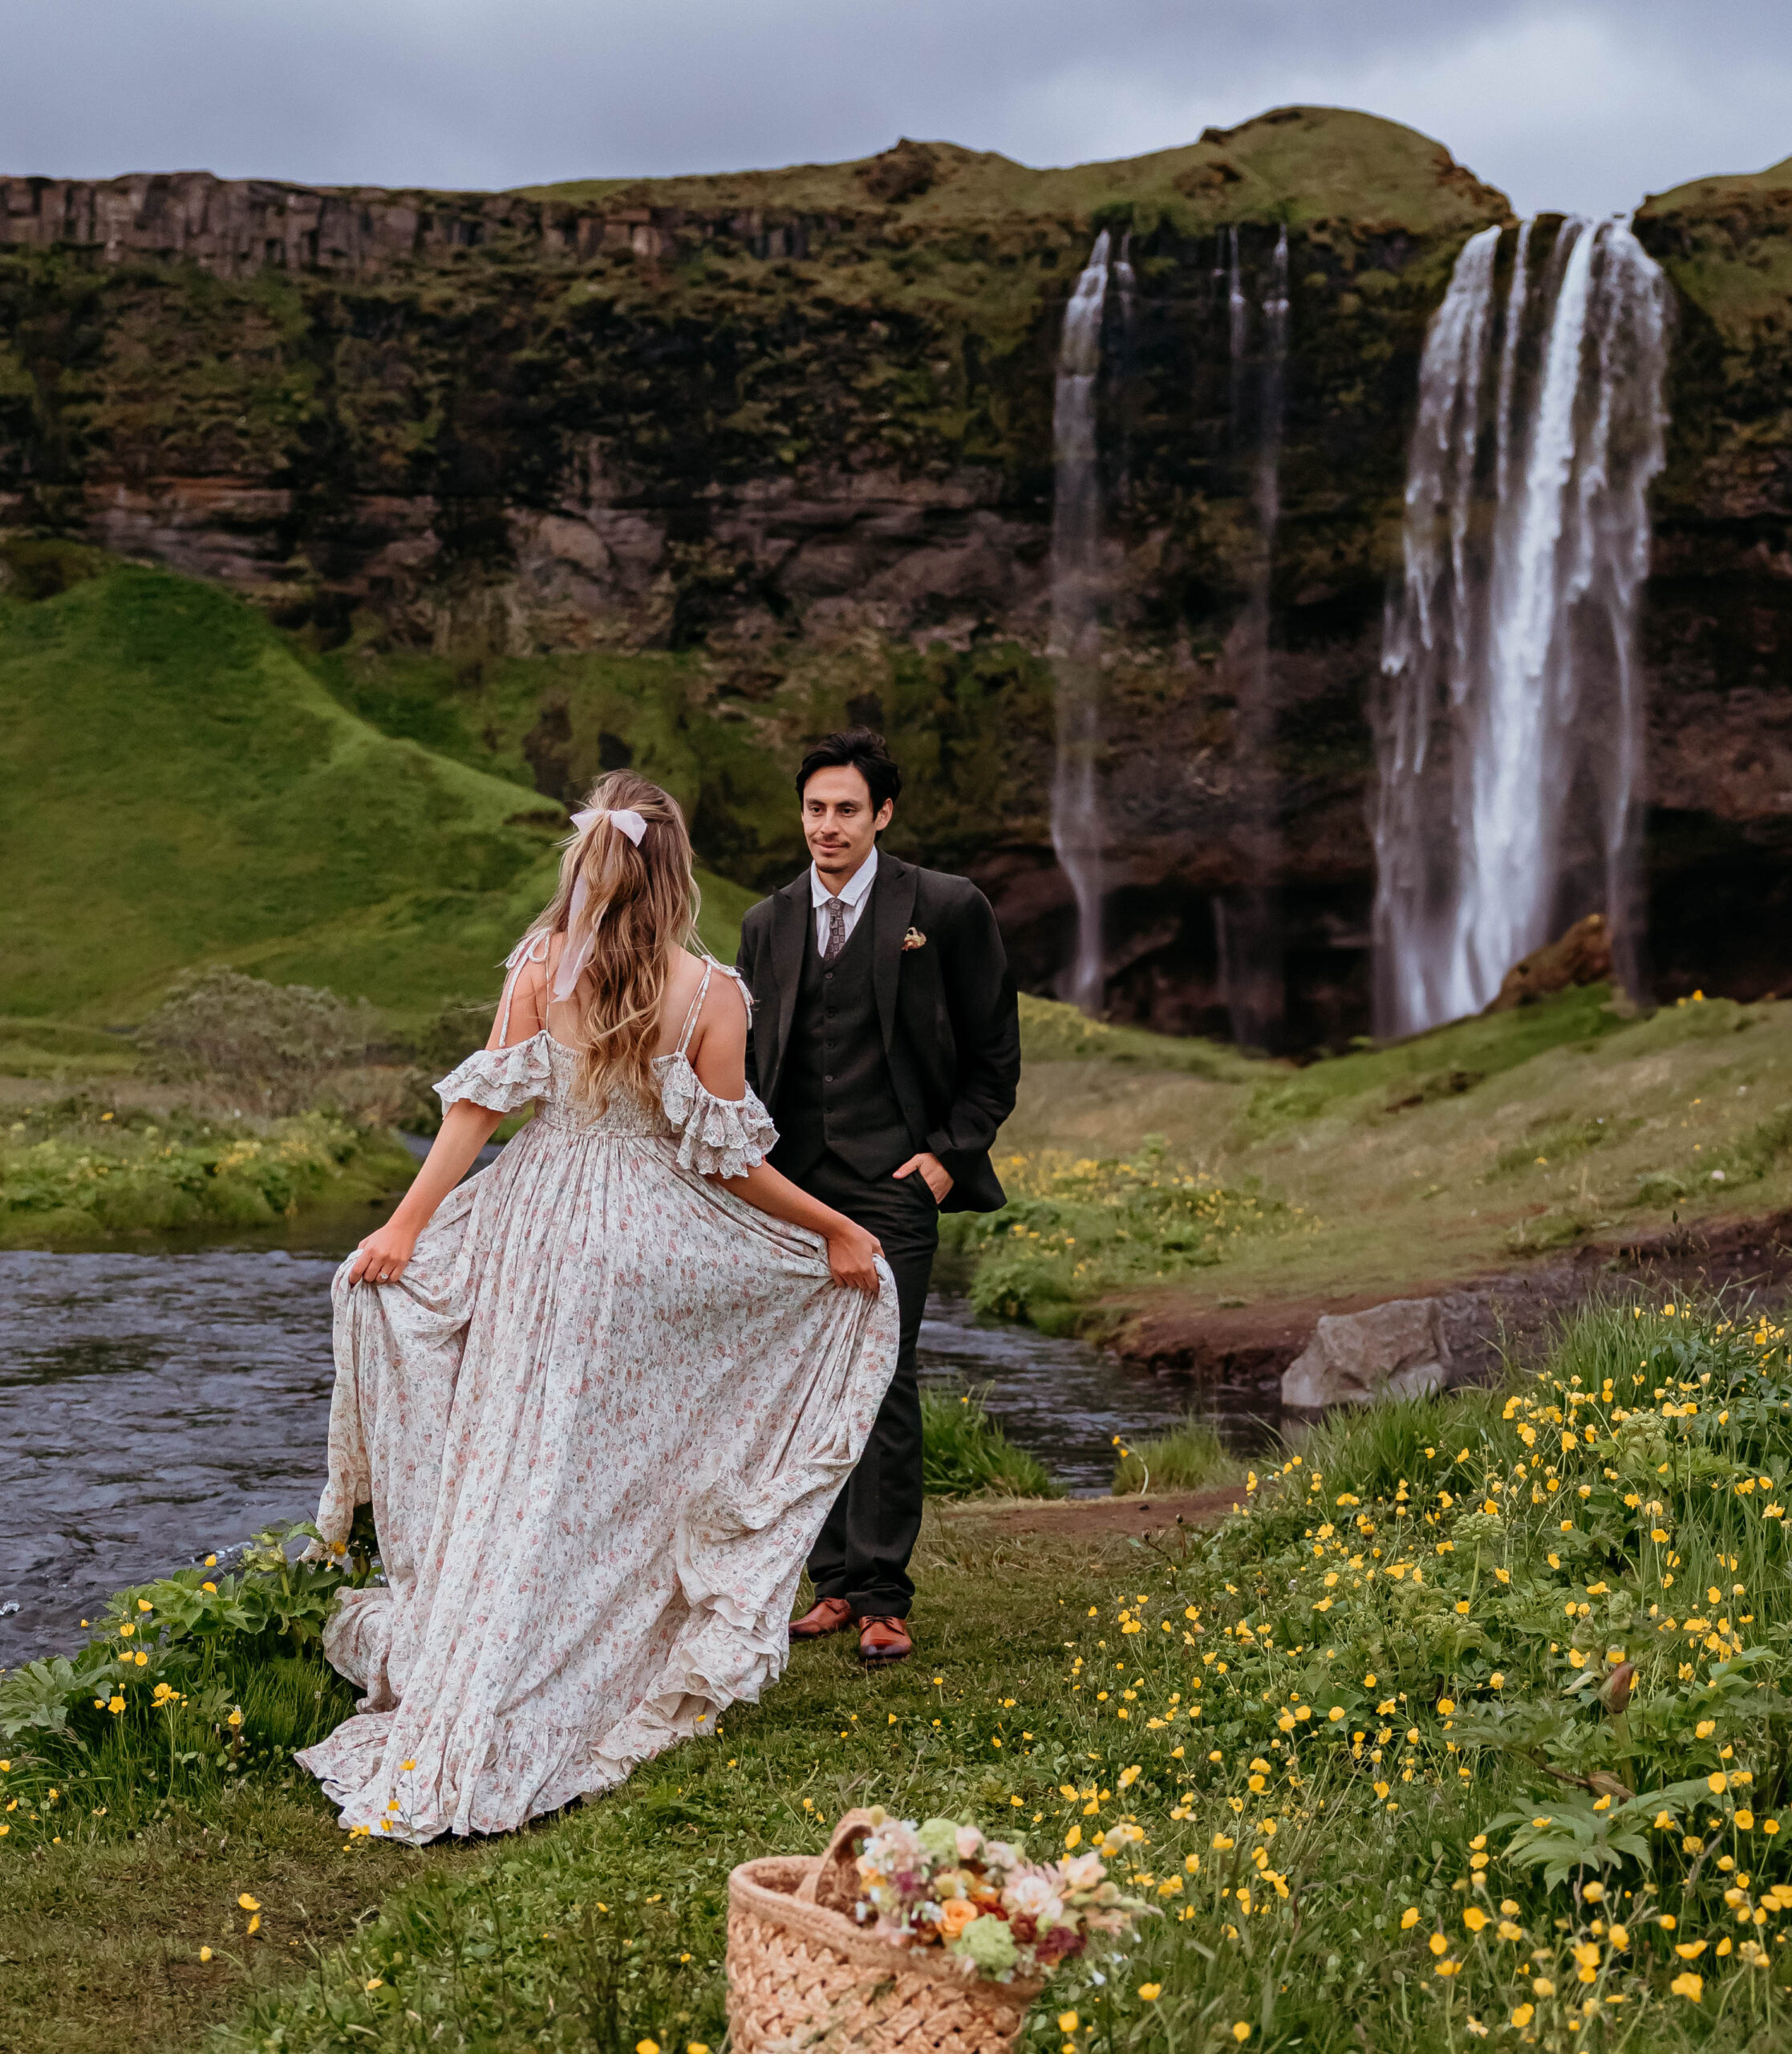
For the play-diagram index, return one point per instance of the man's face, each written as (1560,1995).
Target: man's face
(838,823)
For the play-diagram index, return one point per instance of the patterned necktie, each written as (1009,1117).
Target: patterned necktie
(836,939)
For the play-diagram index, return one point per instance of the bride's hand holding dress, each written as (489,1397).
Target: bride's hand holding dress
(600,1396)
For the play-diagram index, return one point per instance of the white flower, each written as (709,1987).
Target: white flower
(969,1839)
(1032,1896)
(896,1844)
(1082,1872)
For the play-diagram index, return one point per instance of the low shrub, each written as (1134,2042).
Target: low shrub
(276,1043)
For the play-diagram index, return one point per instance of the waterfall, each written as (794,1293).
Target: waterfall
(1238,328)
(1076,646)
(1125,287)
(1275,370)
(1247,923)
(1508,723)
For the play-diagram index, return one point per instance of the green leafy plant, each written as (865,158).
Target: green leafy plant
(1187,1457)
(964,1453)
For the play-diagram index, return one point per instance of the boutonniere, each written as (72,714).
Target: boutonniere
(913,938)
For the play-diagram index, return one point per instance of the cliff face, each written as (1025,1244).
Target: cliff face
(782,443)
(1719,621)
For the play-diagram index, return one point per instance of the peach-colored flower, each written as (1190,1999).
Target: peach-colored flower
(955,1915)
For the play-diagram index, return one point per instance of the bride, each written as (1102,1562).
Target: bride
(600,1396)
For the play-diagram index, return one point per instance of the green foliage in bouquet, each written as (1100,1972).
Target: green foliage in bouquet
(945,1884)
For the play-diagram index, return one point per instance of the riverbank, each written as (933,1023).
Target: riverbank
(96,1170)
(1200,1220)
(1468,1724)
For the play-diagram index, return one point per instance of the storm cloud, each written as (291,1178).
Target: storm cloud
(1585,106)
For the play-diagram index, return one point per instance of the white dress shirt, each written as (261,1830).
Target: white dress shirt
(852,896)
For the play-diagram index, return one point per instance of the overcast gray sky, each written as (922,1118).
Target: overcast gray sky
(1584,104)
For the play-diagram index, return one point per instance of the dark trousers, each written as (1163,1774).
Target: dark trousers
(862,1554)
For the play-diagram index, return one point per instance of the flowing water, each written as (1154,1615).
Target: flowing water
(1248,920)
(1077,830)
(155,1408)
(1509,724)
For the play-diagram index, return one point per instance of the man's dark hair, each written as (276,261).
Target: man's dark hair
(862,749)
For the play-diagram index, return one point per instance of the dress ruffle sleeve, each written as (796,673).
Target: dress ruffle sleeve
(716,1137)
(501,1080)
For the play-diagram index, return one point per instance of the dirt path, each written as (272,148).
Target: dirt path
(1098,1518)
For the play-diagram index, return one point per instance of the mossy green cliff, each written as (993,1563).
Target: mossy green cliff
(677,471)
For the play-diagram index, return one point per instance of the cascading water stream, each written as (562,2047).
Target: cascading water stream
(1238,328)
(1509,722)
(1075,650)
(1248,928)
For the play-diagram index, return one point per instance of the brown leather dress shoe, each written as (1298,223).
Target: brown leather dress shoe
(831,1615)
(881,1641)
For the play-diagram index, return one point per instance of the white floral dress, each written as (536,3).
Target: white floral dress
(600,1420)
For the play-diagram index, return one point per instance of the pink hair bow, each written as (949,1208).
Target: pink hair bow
(572,964)
(624,816)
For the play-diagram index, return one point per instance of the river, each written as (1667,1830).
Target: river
(157,1406)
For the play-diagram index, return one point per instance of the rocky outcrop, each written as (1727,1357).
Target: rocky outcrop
(235,228)
(797,427)
(1718,622)
(1583,955)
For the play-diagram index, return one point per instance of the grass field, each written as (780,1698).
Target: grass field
(78,1173)
(1470,1725)
(1472,1148)
(185,790)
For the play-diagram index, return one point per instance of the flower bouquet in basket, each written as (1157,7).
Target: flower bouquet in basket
(942,1885)
(908,1940)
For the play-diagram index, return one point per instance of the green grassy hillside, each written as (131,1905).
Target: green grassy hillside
(1297,163)
(1185,1175)
(1726,243)
(183,790)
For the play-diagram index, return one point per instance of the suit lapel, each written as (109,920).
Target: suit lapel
(892,911)
(789,910)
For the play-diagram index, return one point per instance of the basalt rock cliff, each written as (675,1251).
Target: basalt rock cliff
(677,471)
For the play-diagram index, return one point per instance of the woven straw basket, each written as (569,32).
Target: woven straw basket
(803,1975)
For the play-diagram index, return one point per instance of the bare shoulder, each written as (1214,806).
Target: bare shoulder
(728,1004)
(524,1012)
(720,1011)
(684,975)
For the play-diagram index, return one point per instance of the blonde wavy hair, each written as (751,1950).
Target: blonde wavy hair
(641,905)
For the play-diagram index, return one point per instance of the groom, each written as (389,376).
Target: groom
(885,1044)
